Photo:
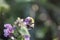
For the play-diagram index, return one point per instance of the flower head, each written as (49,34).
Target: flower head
(26,37)
(8,30)
(7,25)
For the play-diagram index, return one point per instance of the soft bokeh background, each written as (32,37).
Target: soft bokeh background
(45,12)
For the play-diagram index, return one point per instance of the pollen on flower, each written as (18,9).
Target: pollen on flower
(12,38)
(22,20)
(19,24)
(18,18)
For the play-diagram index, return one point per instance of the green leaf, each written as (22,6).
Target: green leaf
(20,38)
(24,31)
(16,33)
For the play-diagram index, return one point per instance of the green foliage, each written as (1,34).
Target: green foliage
(4,6)
(40,33)
(24,31)
(19,1)
(20,32)
(10,20)
(17,11)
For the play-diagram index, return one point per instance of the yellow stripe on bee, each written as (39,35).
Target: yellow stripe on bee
(32,20)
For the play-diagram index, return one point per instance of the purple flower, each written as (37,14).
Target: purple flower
(26,37)
(7,25)
(8,30)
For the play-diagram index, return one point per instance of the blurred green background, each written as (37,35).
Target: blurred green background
(45,13)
